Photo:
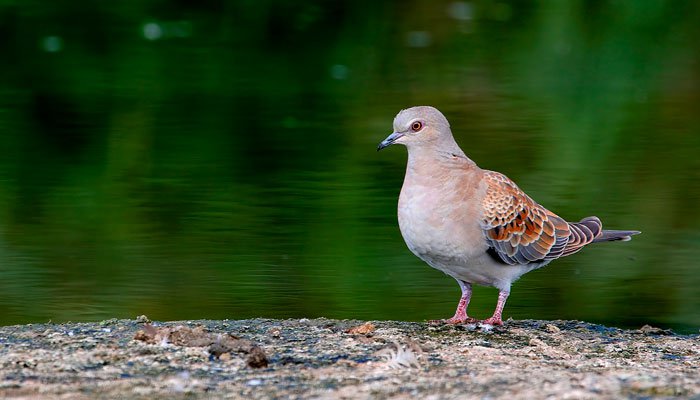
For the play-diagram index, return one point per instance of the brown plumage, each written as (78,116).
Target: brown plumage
(476,225)
(522,231)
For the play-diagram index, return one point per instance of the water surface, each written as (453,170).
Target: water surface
(217,159)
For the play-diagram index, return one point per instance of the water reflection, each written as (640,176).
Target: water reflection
(218,160)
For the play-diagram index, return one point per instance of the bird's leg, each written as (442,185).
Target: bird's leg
(496,317)
(461,313)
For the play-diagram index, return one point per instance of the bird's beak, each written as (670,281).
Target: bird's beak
(389,140)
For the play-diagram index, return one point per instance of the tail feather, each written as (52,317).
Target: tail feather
(590,230)
(611,235)
(582,233)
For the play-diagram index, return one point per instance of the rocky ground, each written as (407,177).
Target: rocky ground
(322,358)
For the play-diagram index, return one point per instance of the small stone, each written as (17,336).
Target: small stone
(142,319)
(652,330)
(256,358)
(552,328)
(363,329)
(275,332)
(218,349)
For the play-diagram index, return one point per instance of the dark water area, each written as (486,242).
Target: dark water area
(216,159)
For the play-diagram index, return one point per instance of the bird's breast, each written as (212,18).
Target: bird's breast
(441,220)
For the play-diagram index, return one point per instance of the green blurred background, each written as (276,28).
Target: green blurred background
(216,159)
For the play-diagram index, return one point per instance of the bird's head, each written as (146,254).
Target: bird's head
(418,126)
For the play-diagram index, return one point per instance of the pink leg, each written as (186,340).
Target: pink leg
(461,313)
(496,318)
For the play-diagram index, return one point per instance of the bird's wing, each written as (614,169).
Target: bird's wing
(519,230)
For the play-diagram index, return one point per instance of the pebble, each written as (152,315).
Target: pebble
(275,332)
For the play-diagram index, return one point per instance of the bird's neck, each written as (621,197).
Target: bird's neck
(436,159)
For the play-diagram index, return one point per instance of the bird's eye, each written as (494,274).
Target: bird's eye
(416,126)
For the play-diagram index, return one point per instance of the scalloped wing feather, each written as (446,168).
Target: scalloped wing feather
(522,231)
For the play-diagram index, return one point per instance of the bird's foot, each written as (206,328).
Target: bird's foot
(492,321)
(453,321)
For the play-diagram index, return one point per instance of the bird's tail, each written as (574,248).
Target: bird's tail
(610,235)
(590,230)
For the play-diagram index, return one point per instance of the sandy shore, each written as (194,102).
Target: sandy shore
(322,358)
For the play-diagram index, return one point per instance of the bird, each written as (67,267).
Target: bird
(476,225)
